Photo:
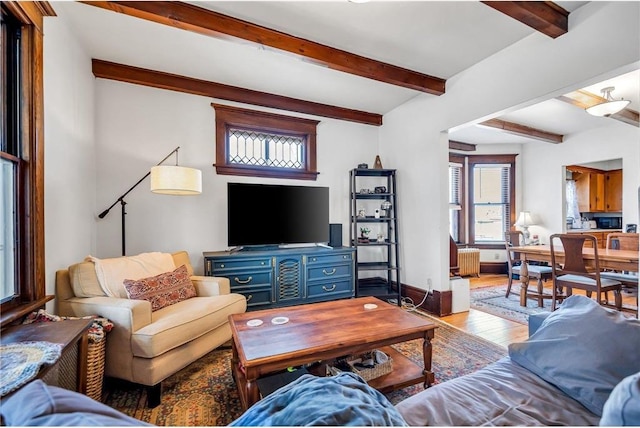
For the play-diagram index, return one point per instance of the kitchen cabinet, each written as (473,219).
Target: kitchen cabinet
(590,188)
(613,191)
(601,237)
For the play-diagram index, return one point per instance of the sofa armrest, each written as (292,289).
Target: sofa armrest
(127,314)
(207,286)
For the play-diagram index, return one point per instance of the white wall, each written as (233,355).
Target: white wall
(543,172)
(69,173)
(537,68)
(137,126)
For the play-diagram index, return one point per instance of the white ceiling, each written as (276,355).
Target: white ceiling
(439,38)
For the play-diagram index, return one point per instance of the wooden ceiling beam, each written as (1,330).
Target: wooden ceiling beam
(174,82)
(523,131)
(584,99)
(203,21)
(543,16)
(459,145)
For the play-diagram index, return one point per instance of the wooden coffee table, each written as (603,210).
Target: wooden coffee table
(324,331)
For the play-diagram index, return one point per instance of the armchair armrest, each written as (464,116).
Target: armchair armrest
(128,314)
(207,286)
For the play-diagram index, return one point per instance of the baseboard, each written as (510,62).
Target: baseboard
(437,302)
(494,267)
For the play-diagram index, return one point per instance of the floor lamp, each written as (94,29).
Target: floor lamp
(165,179)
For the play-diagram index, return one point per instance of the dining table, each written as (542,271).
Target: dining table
(619,260)
(625,260)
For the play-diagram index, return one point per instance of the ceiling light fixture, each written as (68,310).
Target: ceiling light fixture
(608,107)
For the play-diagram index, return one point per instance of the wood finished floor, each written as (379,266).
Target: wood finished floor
(491,327)
(498,330)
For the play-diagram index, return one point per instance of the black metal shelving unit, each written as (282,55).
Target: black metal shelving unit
(379,278)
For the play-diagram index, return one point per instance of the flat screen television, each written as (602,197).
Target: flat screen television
(265,214)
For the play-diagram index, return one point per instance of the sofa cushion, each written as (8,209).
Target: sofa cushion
(623,406)
(37,404)
(112,272)
(84,280)
(162,290)
(583,349)
(178,324)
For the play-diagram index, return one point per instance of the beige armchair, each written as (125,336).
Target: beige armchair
(146,347)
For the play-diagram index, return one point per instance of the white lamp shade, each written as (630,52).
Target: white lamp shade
(607,108)
(176,180)
(524,219)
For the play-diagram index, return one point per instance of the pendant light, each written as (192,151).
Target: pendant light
(608,107)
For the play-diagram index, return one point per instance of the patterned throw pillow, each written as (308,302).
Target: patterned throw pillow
(162,290)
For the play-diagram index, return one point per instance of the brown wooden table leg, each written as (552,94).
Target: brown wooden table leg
(251,388)
(427,352)
(524,279)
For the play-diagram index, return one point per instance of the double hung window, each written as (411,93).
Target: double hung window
(483,214)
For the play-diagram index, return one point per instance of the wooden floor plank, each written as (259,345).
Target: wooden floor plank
(494,328)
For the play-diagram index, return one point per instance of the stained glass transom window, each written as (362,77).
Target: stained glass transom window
(247,147)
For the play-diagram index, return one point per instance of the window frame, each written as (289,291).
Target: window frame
(461,213)
(30,273)
(467,217)
(258,121)
(488,160)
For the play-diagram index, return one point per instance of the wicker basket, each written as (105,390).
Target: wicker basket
(376,371)
(95,368)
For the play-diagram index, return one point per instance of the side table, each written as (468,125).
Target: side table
(70,371)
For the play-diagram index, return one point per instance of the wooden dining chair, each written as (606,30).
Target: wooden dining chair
(623,241)
(573,272)
(540,273)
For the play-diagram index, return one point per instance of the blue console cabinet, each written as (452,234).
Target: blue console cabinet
(284,277)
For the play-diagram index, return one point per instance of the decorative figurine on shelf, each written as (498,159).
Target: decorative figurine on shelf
(363,166)
(380,237)
(378,163)
(362,214)
(376,213)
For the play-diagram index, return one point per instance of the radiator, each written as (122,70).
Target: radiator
(469,261)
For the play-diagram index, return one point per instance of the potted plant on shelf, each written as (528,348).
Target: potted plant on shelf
(364,234)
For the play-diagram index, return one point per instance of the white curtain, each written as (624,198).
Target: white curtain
(572,200)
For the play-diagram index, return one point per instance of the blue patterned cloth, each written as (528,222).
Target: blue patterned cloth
(21,362)
(341,400)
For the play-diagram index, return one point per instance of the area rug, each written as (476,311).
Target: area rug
(492,300)
(204,393)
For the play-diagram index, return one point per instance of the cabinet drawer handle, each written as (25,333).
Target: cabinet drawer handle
(222,265)
(239,281)
(249,297)
(325,288)
(324,271)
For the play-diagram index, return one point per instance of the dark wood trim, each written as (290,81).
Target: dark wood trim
(489,159)
(17,313)
(438,303)
(227,116)
(584,169)
(584,99)
(462,214)
(523,131)
(459,145)
(188,85)
(494,267)
(544,16)
(213,24)
(30,205)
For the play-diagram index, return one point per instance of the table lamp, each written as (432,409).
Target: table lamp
(524,221)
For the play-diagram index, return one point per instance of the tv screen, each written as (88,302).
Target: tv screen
(263,214)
